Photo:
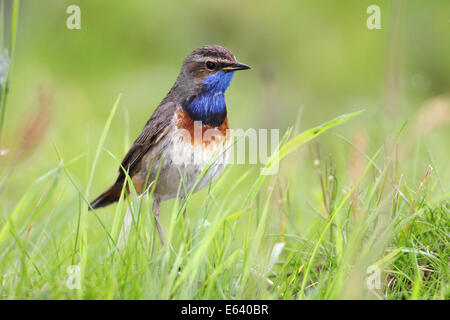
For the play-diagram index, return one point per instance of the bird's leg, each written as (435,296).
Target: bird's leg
(156,205)
(182,200)
(186,226)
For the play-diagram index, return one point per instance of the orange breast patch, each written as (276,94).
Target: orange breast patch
(196,132)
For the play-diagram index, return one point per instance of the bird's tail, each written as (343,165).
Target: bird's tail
(106,198)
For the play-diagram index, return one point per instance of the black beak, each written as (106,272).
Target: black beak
(236,66)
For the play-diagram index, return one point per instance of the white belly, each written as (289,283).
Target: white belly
(184,162)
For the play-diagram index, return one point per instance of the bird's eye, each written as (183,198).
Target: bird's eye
(210,65)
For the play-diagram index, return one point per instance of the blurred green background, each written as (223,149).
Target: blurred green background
(312,60)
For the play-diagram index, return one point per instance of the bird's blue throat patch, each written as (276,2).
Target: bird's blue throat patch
(209,105)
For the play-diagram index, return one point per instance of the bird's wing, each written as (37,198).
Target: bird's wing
(156,127)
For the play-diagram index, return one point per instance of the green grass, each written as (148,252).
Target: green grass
(4,87)
(226,250)
(372,195)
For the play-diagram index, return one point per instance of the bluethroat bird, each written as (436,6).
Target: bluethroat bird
(195,104)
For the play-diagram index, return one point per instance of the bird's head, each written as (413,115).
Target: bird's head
(211,68)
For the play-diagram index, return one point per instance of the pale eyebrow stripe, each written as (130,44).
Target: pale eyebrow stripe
(203,59)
